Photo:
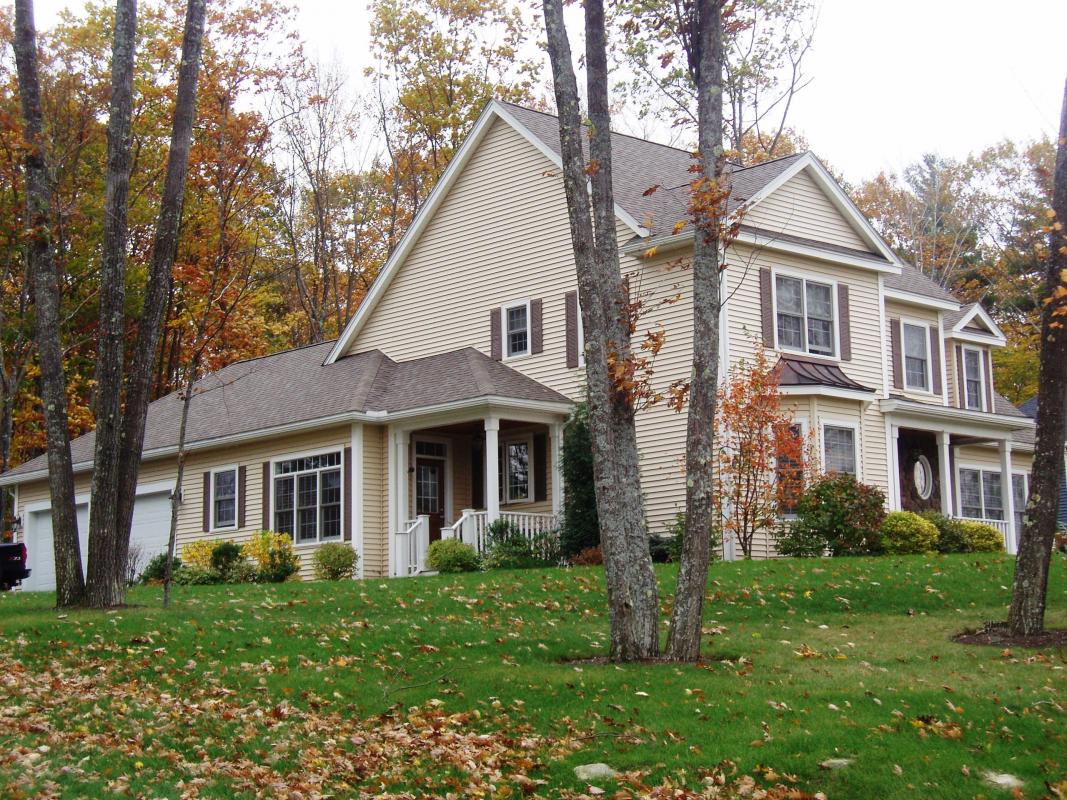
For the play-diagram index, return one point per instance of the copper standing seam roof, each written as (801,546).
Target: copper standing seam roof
(800,371)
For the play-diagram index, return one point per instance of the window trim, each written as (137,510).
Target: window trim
(836,422)
(804,277)
(981,377)
(319,451)
(448,504)
(214,526)
(531,489)
(982,470)
(925,328)
(504,309)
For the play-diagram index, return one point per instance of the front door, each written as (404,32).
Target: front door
(430,493)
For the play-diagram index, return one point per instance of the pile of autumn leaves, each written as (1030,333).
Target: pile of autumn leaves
(202,739)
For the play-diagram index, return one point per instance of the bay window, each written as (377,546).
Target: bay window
(839,449)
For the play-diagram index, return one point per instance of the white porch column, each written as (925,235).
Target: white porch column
(944,468)
(400,490)
(894,467)
(557,467)
(1007,496)
(492,476)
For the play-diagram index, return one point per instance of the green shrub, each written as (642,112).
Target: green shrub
(196,576)
(156,568)
(981,538)
(335,562)
(510,549)
(241,572)
(452,555)
(224,556)
(835,513)
(904,532)
(675,536)
(272,556)
(950,537)
(581,526)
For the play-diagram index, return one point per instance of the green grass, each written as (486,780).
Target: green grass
(808,660)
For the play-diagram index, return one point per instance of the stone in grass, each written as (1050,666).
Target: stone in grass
(1002,780)
(836,763)
(594,772)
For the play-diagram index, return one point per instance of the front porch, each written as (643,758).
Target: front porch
(452,478)
(970,470)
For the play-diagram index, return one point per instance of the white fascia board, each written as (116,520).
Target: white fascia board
(977,338)
(987,320)
(921,300)
(957,420)
(819,254)
(493,110)
(828,391)
(840,199)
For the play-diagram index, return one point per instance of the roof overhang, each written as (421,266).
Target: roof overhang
(827,391)
(508,407)
(921,300)
(959,332)
(953,420)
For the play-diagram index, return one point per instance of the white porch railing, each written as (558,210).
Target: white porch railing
(472,526)
(412,542)
(1002,525)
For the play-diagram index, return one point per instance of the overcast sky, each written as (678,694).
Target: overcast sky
(892,80)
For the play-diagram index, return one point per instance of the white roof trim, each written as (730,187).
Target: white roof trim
(840,199)
(956,420)
(494,110)
(921,300)
(828,391)
(995,336)
(770,242)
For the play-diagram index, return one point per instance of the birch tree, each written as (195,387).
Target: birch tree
(631,582)
(1030,585)
(70,582)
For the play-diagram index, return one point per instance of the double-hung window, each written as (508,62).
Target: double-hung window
(839,449)
(790,468)
(224,498)
(1020,489)
(516,330)
(973,380)
(307,497)
(513,467)
(916,356)
(980,494)
(805,311)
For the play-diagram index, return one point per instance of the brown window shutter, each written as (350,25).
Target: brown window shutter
(346,501)
(495,347)
(894,353)
(766,302)
(265,497)
(540,459)
(935,359)
(961,386)
(988,359)
(846,322)
(570,302)
(537,337)
(242,482)
(207,502)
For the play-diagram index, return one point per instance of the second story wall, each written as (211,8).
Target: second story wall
(908,327)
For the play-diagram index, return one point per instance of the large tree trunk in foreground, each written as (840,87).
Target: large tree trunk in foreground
(631,581)
(1030,586)
(704,47)
(104,563)
(70,586)
(139,377)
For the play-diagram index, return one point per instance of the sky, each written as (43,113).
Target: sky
(891,80)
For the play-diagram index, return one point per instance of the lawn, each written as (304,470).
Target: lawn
(462,684)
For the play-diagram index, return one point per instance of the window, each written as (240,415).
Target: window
(1020,489)
(923,476)
(805,311)
(514,471)
(790,472)
(980,495)
(517,330)
(916,357)
(307,497)
(973,379)
(224,498)
(839,449)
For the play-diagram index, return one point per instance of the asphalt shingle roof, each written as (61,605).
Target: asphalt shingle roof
(295,386)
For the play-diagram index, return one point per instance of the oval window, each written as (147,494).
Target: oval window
(923,476)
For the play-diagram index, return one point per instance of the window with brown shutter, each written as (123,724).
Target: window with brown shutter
(242,482)
(894,353)
(845,325)
(207,502)
(570,303)
(537,337)
(935,358)
(265,497)
(496,342)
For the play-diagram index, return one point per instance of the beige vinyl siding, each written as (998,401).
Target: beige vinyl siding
(914,315)
(375,501)
(800,208)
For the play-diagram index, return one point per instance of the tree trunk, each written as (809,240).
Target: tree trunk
(176,494)
(107,560)
(1030,586)
(139,377)
(631,581)
(705,56)
(70,586)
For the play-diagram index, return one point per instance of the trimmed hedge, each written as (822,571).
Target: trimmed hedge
(452,555)
(981,538)
(335,561)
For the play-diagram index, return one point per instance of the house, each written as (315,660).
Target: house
(441,406)
(1029,407)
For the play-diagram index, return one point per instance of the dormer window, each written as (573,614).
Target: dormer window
(805,315)
(973,380)
(916,357)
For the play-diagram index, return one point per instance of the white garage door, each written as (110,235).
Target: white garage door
(151,527)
